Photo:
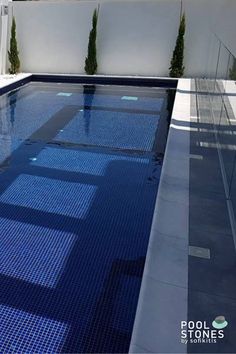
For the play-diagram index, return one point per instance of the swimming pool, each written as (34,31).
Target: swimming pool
(79,173)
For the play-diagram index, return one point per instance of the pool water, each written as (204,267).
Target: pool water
(79,173)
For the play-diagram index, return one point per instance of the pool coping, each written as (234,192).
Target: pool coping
(11,82)
(163,299)
(147,81)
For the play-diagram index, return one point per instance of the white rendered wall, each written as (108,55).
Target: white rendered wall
(52,36)
(135,37)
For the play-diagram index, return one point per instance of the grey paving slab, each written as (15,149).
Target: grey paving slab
(205,278)
(191,197)
(136,349)
(177,145)
(163,308)
(233,193)
(206,172)
(216,274)
(174,189)
(202,133)
(172,219)
(215,192)
(209,214)
(212,282)
(177,168)
(193,102)
(208,239)
(205,145)
(168,260)
(162,304)
(205,307)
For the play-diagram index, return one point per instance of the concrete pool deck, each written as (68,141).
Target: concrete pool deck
(190,270)
(163,296)
(212,281)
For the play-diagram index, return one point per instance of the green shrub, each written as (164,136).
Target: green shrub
(176,67)
(91,59)
(13,53)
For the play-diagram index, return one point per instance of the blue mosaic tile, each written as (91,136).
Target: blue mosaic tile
(149,103)
(22,332)
(111,129)
(81,161)
(74,222)
(121,314)
(22,119)
(32,253)
(53,196)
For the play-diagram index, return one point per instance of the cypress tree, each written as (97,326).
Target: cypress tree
(13,53)
(91,59)
(176,67)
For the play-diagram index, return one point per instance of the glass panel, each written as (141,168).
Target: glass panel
(231,94)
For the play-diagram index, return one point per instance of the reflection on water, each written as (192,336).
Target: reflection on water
(170,102)
(5,132)
(88,101)
(164,122)
(12,102)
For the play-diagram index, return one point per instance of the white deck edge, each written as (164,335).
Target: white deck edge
(163,298)
(230,91)
(6,80)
